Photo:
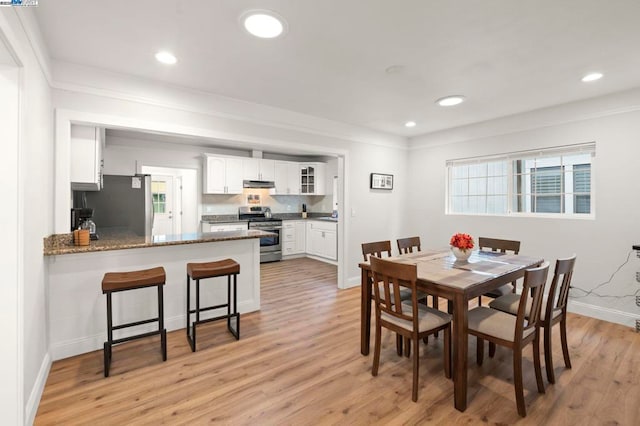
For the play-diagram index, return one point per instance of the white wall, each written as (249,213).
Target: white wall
(602,245)
(35,212)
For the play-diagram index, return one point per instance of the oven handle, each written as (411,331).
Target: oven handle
(266,228)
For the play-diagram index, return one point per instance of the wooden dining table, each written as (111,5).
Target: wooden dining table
(440,274)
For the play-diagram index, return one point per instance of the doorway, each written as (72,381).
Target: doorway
(175,199)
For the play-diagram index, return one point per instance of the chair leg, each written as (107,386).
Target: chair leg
(536,362)
(376,350)
(399,344)
(434,303)
(492,349)
(479,350)
(563,339)
(407,347)
(548,359)
(479,300)
(416,365)
(517,381)
(447,352)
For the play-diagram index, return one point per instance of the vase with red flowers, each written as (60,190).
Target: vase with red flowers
(461,246)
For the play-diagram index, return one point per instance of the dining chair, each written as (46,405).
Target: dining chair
(378,249)
(407,245)
(514,332)
(410,319)
(554,310)
(501,246)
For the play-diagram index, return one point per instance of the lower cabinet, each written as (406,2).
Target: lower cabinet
(322,239)
(293,239)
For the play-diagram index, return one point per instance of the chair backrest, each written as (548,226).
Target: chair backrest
(376,249)
(557,298)
(534,281)
(391,276)
(406,245)
(495,244)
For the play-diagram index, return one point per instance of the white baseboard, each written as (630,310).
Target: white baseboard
(31,409)
(352,282)
(605,314)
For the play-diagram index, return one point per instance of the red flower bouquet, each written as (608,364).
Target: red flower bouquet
(461,241)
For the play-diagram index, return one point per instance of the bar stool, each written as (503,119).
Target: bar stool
(200,271)
(121,281)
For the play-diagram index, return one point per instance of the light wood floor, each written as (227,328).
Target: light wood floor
(298,362)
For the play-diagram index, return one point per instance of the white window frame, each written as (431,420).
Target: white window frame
(566,150)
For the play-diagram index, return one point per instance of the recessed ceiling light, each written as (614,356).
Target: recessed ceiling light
(410,124)
(592,77)
(166,57)
(450,100)
(263,23)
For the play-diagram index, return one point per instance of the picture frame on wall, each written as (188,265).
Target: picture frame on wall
(381,181)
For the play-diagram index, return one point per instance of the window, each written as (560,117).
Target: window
(549,181)
(159,191)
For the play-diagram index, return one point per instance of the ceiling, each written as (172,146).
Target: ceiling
(505,56)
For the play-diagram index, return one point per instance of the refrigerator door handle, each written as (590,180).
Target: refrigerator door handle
(150,215)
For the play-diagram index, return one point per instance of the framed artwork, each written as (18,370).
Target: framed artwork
(381,181)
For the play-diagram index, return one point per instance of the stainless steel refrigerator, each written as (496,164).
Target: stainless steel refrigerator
(124,204)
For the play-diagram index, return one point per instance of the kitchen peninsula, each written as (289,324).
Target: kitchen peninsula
(77,307)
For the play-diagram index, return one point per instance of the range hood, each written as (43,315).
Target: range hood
(258,184)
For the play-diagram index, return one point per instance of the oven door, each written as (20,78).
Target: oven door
(270,243)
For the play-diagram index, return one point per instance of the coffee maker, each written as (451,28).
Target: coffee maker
(81,219)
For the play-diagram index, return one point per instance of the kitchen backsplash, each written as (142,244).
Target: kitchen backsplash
(228,204)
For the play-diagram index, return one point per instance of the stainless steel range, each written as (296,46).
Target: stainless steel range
(260,218)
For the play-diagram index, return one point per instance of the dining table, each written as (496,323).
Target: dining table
(440,274)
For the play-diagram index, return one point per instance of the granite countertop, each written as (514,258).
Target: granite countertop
(58,244)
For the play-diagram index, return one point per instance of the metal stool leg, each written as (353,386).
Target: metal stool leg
(161,329)
(108,343)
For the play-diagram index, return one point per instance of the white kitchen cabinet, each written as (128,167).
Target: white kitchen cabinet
(322,239)
(286,178)
(222,175)
(86,158)
(258,169)
(294,238)
(312,178)
(220,227)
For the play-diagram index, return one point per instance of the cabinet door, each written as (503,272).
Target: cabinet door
(307,178)
(251,168)
(214,174)
(233,175)
(86,158)
(267,170)
(293,179)
(330,245)
(281,169)
(308,239)
(320,179)
(300,242)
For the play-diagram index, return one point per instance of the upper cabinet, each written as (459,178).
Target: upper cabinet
(287,178)
(222,175)
(86,158)
(312,178)
(258,169)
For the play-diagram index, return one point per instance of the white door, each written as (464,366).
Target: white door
(162,190)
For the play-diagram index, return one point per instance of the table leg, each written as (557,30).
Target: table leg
(365,312)
(460,351)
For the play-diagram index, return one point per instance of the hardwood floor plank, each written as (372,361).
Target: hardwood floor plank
(298,362)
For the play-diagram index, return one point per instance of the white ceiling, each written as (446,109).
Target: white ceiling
(505,56)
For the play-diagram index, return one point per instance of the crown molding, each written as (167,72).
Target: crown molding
(34,36)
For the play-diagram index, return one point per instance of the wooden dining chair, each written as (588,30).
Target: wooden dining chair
(408,245)
(514,332)
(410,319)
(554,311)
(501,246)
